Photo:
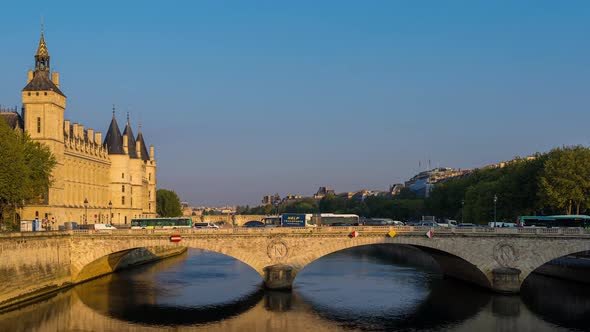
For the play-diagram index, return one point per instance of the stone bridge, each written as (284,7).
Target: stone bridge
(496,258)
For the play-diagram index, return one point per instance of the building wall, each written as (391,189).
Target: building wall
(85,171)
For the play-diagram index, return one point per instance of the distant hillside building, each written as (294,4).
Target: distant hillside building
(94,181)
(323,192)
(423,182)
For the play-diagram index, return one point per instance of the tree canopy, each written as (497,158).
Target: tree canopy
(168,203)
(565,180)
(25,171)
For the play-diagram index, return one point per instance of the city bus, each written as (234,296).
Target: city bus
(161,223)
(554,221)
(334,219)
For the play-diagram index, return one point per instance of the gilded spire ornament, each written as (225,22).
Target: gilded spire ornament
(42,55)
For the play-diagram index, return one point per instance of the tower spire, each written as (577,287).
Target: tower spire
(42,54)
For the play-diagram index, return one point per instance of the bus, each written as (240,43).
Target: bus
(554,221)
(333,219)
(161,223)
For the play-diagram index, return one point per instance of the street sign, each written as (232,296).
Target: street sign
(430,234)
(175,238)
(354,234)
(391,233)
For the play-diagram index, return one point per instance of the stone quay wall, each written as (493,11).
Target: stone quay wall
(34,264)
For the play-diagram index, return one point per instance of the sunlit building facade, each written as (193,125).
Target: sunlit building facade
(95,180)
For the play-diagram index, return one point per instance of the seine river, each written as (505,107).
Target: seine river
(363,289)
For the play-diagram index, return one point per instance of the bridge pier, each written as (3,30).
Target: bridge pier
(279,277)
(506,280)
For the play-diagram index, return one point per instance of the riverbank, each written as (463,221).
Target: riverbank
(20,292)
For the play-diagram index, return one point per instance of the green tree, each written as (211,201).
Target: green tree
(303,205)
(25,171)
(168,203)
(333,203)
(565,180)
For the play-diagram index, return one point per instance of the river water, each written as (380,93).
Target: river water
(362,289)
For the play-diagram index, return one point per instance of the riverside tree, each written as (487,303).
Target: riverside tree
(25,172)
(565,180)
(168,203)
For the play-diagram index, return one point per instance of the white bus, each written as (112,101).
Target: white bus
(334,219)
(161,223)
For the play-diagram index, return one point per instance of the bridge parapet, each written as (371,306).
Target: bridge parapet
(400,230)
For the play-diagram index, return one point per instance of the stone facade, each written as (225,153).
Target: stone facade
(93,181)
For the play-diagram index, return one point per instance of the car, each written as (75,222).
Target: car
(463,225)
(202,225)
(254,223)
(424,223)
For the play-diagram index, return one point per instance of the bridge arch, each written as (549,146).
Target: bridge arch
(106,255)
(472,257)
(459,265)
(538,261)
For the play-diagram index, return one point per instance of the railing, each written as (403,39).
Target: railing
(344,230)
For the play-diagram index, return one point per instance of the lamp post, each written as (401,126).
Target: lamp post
(85,211)
(495,203)
(110,218)
(462,210)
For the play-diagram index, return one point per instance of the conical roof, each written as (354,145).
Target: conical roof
(113,139)
(42,48)
(144,153)
(130,140)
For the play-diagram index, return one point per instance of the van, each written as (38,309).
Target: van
(205,225)
(101,227)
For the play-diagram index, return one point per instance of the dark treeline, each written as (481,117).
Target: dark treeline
(400,207)
(557,182)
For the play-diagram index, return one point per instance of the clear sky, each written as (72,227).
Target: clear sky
(244,98)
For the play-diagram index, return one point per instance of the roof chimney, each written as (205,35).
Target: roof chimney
(67,127)
(55,78)
(125,144)
(138,149)
(98,138)
(30,76)
(152,155)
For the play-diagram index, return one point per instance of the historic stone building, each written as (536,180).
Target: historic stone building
(94,181)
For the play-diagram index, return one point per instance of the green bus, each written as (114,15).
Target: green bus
(554,221)
(161,223)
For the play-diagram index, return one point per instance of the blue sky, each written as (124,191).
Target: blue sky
(243,98)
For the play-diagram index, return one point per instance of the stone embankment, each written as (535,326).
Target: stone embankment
(40,265)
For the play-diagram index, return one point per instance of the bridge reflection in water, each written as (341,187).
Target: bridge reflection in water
(354,289)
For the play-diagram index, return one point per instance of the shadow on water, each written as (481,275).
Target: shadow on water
(164,293)
(564,303)
(387,288)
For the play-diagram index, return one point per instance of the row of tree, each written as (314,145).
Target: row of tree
(557,182)
(25,173)
(404,206)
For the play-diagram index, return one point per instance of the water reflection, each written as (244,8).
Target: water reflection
(359,290)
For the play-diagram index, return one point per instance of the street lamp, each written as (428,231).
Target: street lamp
(110,218)
(85,210)
(462,210)
(495,203)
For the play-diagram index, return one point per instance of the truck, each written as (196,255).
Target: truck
(296,220)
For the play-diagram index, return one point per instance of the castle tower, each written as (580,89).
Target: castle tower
(43,111)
